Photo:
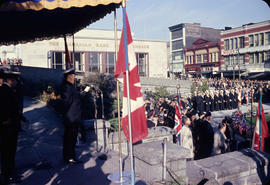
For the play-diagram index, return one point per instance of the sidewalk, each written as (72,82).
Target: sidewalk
(39,153)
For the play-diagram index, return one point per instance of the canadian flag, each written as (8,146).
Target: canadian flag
(261,129)
(138,118)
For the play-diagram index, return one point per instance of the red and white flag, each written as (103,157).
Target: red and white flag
(178,119)
(67,55)
(261,129)
(138,118)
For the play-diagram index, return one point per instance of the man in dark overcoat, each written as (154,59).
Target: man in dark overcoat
(72,115)
(231,99)
(235,100)
(10,116)
(207,101)
(216,101)
(221,100)
(206,136)
(212,102)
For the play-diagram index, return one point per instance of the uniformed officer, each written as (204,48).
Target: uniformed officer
(72,114)
(9,125)
(221,99)
(207,101)
(226,100)
(216,101)
(231,99)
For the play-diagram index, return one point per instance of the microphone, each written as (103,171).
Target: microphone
(95,88)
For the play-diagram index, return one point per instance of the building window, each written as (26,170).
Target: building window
(178,44)
(261,39)
(256,58)
(217,57)
(177,34)
(110,63)
(230,60)
(199,59)
(267,56)
(242,42)
(57,60)
(77,62)
(267,38)
(241,59)
(227,46)
(227,61)
(94,62)
(262,57)
(251,58)
(235,43)
(179,55)
(142,63)
(256,40)
(231,43)
(205,59)
(251,41)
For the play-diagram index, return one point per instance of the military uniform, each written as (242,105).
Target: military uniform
(207,102)
(221,101)
(71,106)
(9,127)
(231,99)
(212,102)
(216,101)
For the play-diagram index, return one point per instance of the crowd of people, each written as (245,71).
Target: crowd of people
(11,61)
(196,115)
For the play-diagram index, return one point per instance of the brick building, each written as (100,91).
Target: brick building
(183,36)
(203,59)
(246,50)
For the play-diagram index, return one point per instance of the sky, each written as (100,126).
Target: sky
(150,19)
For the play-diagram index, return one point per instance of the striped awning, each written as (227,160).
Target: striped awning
(30,20)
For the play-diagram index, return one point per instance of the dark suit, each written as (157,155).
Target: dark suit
(216,99)
(206,140)
(207,103)
(71,106)
(221,102)
(212,105)
(9,128)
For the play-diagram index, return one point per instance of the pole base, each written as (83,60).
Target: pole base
(115,178)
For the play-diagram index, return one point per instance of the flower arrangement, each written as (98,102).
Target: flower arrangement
(240,124)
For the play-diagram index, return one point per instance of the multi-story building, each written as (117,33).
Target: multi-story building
(183,36)
(203,59)
(94,52)
(245,50)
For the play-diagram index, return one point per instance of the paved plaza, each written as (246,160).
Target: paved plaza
(39,153)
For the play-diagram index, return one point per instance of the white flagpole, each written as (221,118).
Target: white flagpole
(118,103)
(128,94)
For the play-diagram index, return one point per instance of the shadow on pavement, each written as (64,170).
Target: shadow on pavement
(39,152)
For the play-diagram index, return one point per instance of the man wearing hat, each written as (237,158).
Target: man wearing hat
(9,125)
(72,115)
(206,136)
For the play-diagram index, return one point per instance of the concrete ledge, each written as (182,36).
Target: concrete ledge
(154,134)
(148,159)
(238,167)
